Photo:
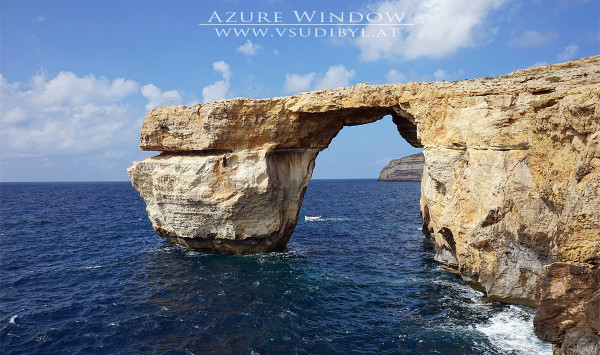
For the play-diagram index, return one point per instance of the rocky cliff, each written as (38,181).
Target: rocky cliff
(409,168)
(510,189)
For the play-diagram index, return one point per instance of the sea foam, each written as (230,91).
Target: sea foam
(511,331)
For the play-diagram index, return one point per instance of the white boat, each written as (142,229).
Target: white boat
(312,218)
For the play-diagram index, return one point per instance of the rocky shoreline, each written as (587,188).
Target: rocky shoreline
(510,187)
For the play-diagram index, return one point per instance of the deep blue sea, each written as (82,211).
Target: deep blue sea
(82,271)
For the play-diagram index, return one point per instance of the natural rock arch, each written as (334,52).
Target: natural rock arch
(511,180)
(242,166)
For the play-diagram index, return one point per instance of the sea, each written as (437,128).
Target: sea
(82,271)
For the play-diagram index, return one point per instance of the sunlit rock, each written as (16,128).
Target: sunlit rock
(511,181)
(408,168)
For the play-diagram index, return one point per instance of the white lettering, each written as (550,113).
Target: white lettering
(242,31)
(262,16)
(307,32)
(381,33)
(214,15)
(339,18)
(304,15)
(353,14)
(229,19)
(223,31)
(374,17)
(247,20)
(261,31)
(395,17)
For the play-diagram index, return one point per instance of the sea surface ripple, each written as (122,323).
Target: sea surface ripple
(81,271)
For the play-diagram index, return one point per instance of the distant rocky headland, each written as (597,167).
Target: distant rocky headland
(510,192)
(409,168)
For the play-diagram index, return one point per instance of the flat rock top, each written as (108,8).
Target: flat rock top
(414,158)
(243,123)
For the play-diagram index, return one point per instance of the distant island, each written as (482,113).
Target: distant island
(409,168)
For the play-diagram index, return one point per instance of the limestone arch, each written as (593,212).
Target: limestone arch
(246,162)
(498,188)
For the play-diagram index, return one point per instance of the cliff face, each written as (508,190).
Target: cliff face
(511,183)
(409,168)
(568,302)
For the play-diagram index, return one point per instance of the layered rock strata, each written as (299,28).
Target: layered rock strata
(511,183)
(409,168)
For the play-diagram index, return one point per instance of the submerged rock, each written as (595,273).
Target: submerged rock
(511,181)
(409,168)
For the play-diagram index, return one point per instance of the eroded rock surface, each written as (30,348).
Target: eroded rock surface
(238,202)
(511,182)
(568,302)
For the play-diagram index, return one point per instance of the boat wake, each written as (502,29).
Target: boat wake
(332,219)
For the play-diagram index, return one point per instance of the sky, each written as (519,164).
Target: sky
(77,77)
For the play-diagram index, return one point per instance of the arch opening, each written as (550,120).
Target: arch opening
(361,151)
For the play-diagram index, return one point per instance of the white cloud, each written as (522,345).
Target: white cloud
(157,98)
(442,74)
(14,116)
(223,69)
(568,53)
(66,115)
(68,89)
(40,19)
(295,83)
(394,76)
(532,39)
(440,28)
(219,89)
(335,77)
(249,48)
(216,91)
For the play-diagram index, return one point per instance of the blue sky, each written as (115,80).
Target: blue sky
(77,77)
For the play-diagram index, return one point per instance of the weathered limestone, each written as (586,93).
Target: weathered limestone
(408,168)
(511,182)
(250,198)
(568,302)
